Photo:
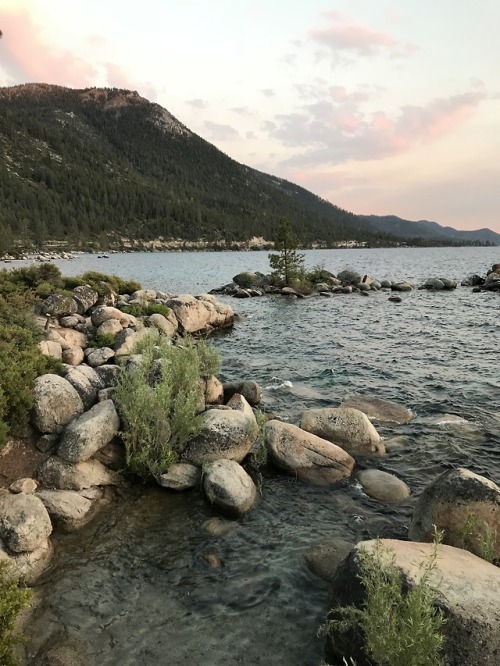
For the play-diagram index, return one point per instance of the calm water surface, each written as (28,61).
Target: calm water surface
(133,587)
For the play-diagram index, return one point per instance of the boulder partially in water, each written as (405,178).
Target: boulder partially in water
(305,455)
(466,507)
(383,486)
(384,411)
(57,473)
(323,558)
(229,487)
(347,427)
(180,476)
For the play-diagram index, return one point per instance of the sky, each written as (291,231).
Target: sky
(380,107)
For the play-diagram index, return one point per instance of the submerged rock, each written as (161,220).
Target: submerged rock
(322,559)
(377,409)
(383,486)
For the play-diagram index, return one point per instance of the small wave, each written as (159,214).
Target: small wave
(277,384)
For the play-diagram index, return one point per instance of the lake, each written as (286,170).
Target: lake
(133,587)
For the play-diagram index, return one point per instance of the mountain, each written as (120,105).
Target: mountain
(104,164)
(390,224)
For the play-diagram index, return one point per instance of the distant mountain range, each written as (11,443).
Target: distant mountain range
(391,224)
(101,166)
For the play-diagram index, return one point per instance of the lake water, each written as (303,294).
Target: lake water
(133,587)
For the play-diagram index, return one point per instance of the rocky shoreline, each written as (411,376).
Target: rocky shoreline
(77,430)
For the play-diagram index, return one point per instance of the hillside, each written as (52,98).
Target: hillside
(391,224)
(102,164)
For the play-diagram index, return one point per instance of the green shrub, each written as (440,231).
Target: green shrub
(401,627)
(104,340)
(12,601)
(72,281)
(158,402)
(118,284)
(134,310)
(479,537)
(157,308)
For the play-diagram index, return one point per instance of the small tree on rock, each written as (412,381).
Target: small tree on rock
(288,265)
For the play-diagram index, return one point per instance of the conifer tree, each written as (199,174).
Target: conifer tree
(288,265)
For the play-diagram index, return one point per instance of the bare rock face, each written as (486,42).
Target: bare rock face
(383,486)
(377,409)
(62,475)
(467,589)
(24,522)
(225,434)
(348,428)
(466,507)
(181,476)
(303,454)
(89,432)
(229,487)
(55,403)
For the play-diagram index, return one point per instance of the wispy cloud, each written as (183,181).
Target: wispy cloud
(197,103)
(219,132)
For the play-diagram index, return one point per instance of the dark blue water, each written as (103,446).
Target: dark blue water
(133,587)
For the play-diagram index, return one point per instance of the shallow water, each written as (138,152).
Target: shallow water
(134,588)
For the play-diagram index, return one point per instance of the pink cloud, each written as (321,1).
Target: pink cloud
(28,55)
(341,34)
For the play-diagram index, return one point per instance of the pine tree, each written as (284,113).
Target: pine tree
(288,265)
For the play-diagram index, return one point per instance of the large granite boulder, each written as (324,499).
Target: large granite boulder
(103,313)
(55,403)
(100,356)
(180,476)
(24,522)
(228,434)
(383,486)
(348,428)
(249,389)
(467,590)
(200,314)
(301,453)
(384,411)
(61,475)
(162,324)
(349,277)
(85,298)
(87,382)
(57,305)
(323,558)
(228,487)
(69,509)
(90,432)
(466,507)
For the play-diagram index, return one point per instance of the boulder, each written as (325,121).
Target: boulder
(303,454)
(71,321)
(162,324)
(248,279)
(87,383)
(466,507)
(195,315)
(238,403)
(383,486)
(472,281)
(433,283)
(62,475)
(143,296)
(51,348)
(85,297)
(348,428)
(108,374)
(26,485)
(401,286)
(214,391)
(55,403)
(68,338)
(73,356)
(26,567)
(249,389)
(47,443)
(109,327)
(322,559)
(180,476)
(89,432)
(349,277)
(68,509)
(225,434)
(467,590)
(24,522)
(57,305)
(384,411)
(125,342)
(103,313)
(228,487)
(100,356)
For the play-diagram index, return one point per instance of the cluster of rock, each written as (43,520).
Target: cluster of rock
(250,284)
(439,284)
(491,282)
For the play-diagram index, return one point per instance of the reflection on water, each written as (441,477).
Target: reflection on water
(134,586)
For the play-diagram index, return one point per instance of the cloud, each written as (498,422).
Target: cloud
(268,92)
(29,55)
(341,34)
(197,103)
(337,129)
(242,110)
(250,135)
(219,132)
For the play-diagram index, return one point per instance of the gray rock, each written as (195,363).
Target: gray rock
(73,356)
(68,338)
(125,341)
(57,305)
(26,485)
(384,411)
(348,428)
(100,356)
(62,475)
(180,476)
(395,299)
(467,589)
(214,391)
(434,283)
(108,374)
(385,284)
(472,281)
(162,324)
(303,454)
(27,566)
(47,443)
(219,527)
(87,382)
(249,389)
(55,403)
(383,486)
(72,320)
(85,298)
(24,523)
(322,559)
(68,509)
(109,327)
(465,506)
(228,487)
(106,394)
(225,434)
(89,432)
(103,313)
(401,286)
(238,403)
(349,277)
(51,348)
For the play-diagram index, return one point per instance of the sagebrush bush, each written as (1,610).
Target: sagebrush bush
(401,627)
(104,340)
(118,284)
(158,402)
(12,601)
